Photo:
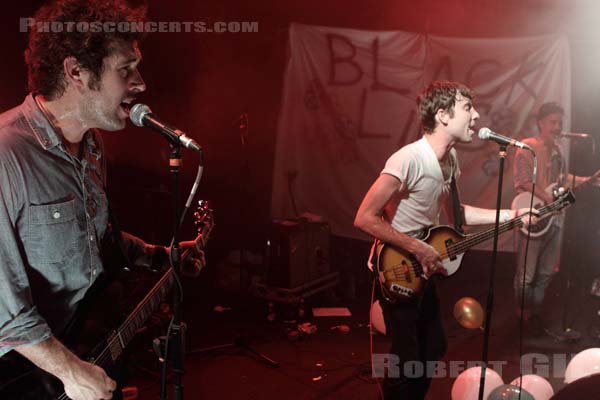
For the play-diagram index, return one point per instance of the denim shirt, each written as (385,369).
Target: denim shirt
(53,214)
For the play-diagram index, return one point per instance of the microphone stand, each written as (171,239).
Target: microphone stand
(241,341)
(175,338)
(568,334)
(490,299)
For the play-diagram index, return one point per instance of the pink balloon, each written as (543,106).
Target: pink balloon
(377,317)
(537,386)
(583,364)
(466,385)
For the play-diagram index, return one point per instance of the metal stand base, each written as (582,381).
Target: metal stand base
(241,342)
(565,336)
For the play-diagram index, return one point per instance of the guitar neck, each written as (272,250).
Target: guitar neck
(480,237)
(120,338)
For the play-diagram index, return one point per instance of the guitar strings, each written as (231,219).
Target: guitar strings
(464,245)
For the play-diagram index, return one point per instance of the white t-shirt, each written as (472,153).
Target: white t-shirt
(417,166)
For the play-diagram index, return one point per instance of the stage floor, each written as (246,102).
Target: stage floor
(329,364)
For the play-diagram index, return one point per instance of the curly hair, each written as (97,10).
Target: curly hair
(439,95)
(48,48)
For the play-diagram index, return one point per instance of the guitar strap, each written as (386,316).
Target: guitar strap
(123,259)
(457,208)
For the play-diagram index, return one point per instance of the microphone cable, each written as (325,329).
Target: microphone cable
(523,281)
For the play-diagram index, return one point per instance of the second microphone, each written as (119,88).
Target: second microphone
(488,134)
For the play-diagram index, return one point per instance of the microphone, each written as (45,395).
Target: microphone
(141,115)
(574,135)
(487,134)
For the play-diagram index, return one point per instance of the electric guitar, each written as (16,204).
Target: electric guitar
(523,200)
(33,383)
(400,274)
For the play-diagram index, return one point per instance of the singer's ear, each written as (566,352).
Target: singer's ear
(442,116)
(75,74)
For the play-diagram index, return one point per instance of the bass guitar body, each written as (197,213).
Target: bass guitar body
(400,274)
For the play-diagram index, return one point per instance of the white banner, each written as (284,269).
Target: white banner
(349,103)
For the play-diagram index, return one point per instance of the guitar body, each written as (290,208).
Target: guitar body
(523,200)
(401,275)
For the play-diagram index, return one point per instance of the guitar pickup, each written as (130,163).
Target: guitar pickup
(449,242)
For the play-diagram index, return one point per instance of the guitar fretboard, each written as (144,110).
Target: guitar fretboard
(119,339)
(473,240)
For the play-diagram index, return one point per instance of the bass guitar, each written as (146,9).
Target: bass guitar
(400,274)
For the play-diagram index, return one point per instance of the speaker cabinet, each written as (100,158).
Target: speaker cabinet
(297,253)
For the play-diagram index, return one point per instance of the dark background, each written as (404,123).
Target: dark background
(202,82)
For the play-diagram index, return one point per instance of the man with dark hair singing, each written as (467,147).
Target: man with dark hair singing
(53,205)
(543,254)
(402,203)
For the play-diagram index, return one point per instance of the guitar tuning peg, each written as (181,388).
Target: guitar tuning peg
(557,192)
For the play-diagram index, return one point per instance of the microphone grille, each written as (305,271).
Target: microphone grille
(484,133)
(138,112)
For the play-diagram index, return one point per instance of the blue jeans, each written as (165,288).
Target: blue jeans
(542,261)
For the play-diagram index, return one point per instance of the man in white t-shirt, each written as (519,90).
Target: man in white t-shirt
(404,201)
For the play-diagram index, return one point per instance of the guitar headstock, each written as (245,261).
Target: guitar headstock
(564,197)
(204,221)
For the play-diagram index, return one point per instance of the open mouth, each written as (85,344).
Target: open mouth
(125,106)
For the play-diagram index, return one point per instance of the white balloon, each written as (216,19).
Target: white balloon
(377,317)
(466,385)
(583,364)
(537,386)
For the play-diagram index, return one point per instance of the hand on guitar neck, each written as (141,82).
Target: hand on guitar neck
(528,218)
(430,259)
(548,195)
(193,265)
(585,180)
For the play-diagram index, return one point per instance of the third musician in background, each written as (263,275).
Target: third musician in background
(544,251)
